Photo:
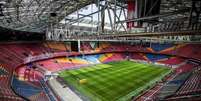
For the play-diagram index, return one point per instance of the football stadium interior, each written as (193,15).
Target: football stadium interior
(100,50)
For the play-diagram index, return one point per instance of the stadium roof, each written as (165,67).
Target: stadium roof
(35,15)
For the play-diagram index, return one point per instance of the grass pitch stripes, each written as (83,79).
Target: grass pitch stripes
(114,81)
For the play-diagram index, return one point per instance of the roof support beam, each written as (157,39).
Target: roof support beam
(156,16)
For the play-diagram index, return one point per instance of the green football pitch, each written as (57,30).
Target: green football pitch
(115,81)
